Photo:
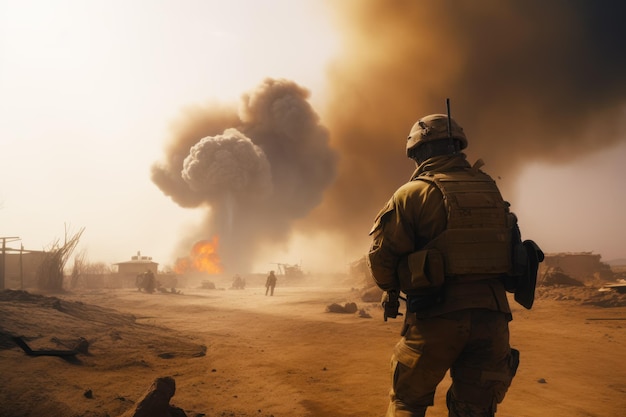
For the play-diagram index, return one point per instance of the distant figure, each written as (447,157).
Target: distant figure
(149,282)
(139,281)
(238,282)
(270,283)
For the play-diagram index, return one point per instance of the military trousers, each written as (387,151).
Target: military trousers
(472,344)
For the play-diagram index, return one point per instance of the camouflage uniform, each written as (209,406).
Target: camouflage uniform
(465,327)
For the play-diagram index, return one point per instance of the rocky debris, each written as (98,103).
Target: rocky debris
(207,285)
(372,294)
(364,314)
(581,295)
(156,401)
(556,276)
(618,286)
(81,345)
(348,308)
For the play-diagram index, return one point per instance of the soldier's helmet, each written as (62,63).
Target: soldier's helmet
(434,127)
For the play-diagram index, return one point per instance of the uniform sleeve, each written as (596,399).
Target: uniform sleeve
(392,240)
(411,218)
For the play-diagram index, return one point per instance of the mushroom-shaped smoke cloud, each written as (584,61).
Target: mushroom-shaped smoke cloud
(256,169)
(227,164)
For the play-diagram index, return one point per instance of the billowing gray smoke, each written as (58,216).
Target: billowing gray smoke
(229,165)
(255,169)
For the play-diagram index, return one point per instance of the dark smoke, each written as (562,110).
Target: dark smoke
(256,169)
(528,80)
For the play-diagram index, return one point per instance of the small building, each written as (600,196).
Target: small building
(127,271)
(137,265)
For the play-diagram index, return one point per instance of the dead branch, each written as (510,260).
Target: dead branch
(50,272)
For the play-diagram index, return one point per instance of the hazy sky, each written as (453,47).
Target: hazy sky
(92,93)
(89,91)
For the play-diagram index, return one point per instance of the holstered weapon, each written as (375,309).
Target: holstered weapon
(525,290)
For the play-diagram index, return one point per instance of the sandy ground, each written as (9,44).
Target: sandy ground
(241,353)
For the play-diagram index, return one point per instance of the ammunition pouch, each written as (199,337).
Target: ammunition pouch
(424,269)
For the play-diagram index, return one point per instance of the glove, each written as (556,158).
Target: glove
(391,304)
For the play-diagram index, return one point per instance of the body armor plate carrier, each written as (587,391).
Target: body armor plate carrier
(477,240)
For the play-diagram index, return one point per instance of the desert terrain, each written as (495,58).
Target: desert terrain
(241,353)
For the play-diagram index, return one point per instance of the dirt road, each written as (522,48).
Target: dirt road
(241,353)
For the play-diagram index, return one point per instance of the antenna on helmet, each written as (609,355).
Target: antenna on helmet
(449,119)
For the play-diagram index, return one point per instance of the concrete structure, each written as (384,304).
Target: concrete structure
(583,266)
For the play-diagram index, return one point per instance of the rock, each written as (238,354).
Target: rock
(82,346)
(556,276)
(348,308)
(335,308)
(372,294)
(364,314)
(156,401)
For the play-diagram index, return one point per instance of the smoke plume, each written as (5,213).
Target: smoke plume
(256,168)
(528,81)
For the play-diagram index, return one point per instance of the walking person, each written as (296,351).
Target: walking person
(270,283)
(447,240)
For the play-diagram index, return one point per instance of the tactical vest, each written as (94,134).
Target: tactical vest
(477,240)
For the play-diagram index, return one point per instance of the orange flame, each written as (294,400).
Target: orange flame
(203,258)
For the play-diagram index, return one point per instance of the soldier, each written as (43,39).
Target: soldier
(238,283)
(149,281)
(270,283)
(446,239)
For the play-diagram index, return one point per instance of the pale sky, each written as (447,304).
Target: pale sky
(579,207)
(89,89)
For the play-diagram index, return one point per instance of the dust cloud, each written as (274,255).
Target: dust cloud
(528,81)
(255,168)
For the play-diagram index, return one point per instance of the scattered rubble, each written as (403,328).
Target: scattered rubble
(371,294)
(582,295)
(207,285)
(348,308)
(556,276)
